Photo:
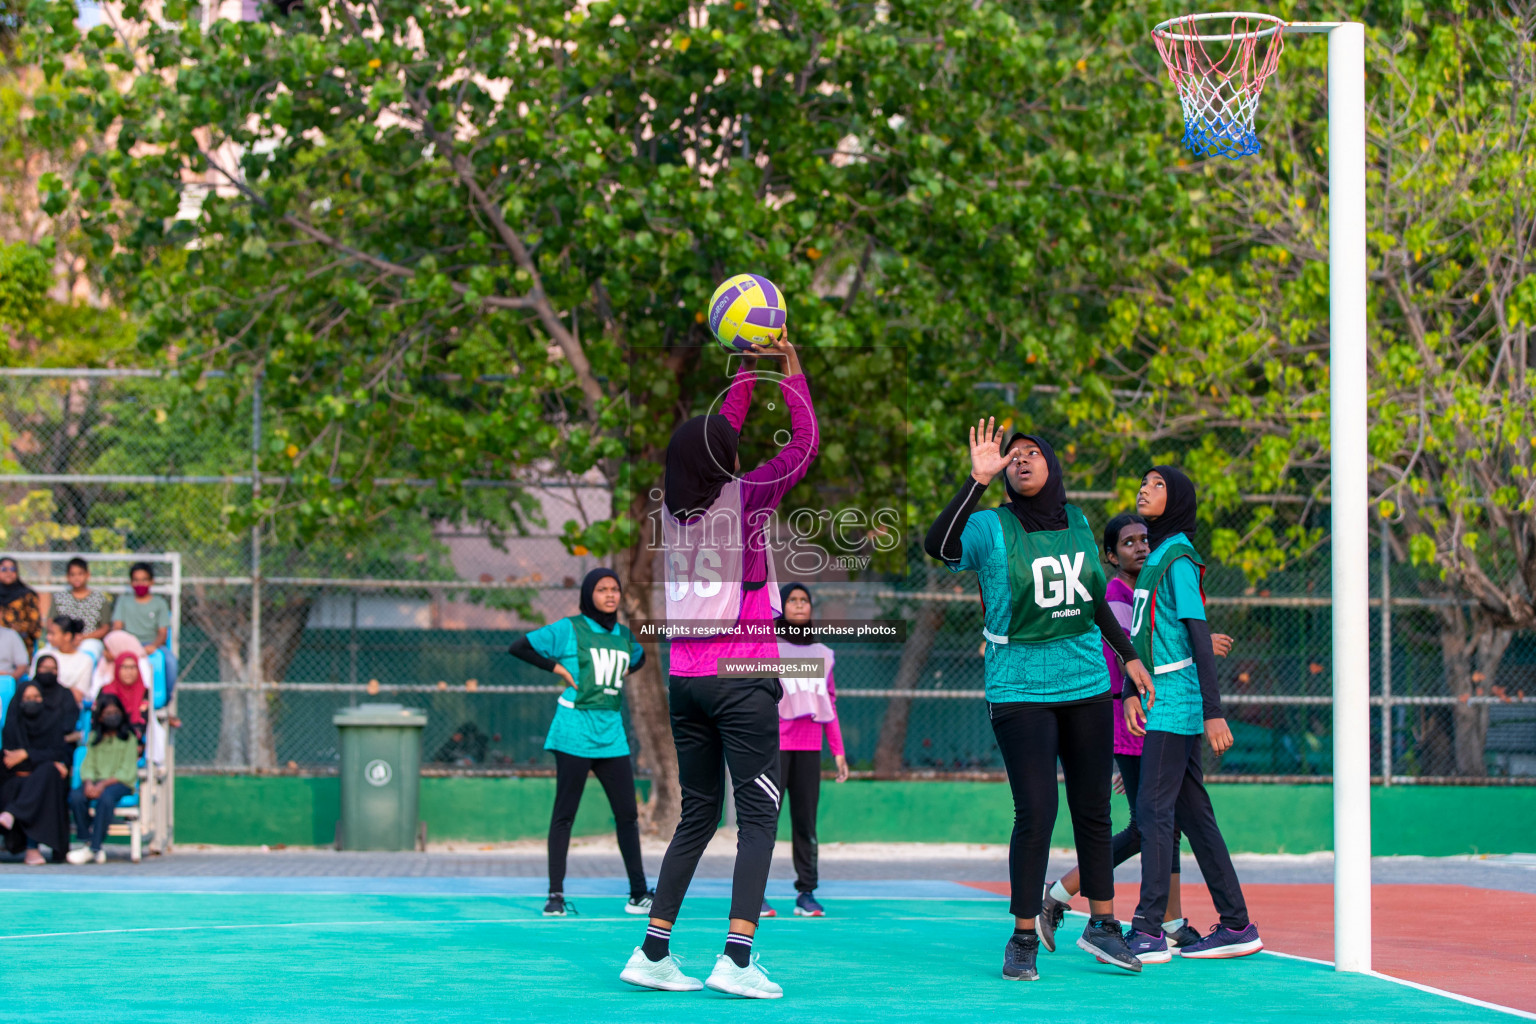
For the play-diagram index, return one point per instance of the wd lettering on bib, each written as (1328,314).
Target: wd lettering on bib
(601,661)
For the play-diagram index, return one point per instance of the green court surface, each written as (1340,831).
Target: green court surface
(324,957)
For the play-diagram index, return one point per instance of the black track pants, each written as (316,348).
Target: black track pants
(801,772)
(717,724)
(1032,737)
(1127,842)
(618,782)
(1173,789)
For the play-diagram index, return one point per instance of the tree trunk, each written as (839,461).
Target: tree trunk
(1471,652)
(649,709)
(246,739)
(890,750)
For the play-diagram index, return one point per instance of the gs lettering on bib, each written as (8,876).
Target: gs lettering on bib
(705,563)
(602,659)
(1052,576)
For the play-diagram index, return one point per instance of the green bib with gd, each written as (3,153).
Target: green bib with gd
(1052,575)
(601,661)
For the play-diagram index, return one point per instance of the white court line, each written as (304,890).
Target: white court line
(1469,1000)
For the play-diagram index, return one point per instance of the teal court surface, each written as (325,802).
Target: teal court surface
(224,948)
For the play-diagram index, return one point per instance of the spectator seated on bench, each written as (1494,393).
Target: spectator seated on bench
(106,775)
(38,742)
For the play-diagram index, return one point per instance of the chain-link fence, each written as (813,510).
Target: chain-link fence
(424,615)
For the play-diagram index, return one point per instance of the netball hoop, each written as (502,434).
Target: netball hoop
(1219,63)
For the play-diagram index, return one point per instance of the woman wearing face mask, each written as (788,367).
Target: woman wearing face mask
(1048,690)
(1169,630)
(37,747)
(109,773)
(591,652)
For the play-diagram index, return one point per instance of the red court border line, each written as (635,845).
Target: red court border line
(1428,936)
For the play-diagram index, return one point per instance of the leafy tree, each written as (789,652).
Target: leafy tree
(1224,346)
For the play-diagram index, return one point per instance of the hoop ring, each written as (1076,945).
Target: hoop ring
(1161,30)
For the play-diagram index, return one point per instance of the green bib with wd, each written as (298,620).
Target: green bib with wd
(601,661)
(1052,575)
(1144,606)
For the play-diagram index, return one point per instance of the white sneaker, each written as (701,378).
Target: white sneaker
(640,904)
(665,974)
(84,855)
(101,856)
(750,982)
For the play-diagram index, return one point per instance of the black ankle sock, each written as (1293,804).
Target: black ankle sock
(1101,919)
(656,942)
(739,948)
(1020,933)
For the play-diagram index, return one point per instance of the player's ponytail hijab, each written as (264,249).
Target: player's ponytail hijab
(1047,510)
(701,457)
(1179,512)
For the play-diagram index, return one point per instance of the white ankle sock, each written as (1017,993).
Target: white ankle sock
(1058,893)
(1170,927)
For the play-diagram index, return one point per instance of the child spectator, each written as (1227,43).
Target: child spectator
(91,607)
(110,772)
(147,616)
(129,689)
(75,667)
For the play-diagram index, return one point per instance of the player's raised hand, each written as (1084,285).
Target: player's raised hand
(779,348)
(986,459)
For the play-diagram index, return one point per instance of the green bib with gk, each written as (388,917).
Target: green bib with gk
(1053,576)
(601,661)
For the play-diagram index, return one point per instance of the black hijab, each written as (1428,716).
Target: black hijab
(1047,510)
(588,585)
(781,624)
(46,732)
(701,459)
(15,590)
(1179,513)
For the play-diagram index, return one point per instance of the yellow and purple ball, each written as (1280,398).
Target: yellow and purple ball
(747,310)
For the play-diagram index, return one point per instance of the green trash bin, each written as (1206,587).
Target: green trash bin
(380,777)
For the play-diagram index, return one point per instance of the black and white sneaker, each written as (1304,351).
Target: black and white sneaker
(1019,958)
(1052,910)
(640,904)
(1184,935)
(1104,941)
(557,907)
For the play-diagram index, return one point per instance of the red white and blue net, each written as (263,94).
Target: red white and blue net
(1219,63)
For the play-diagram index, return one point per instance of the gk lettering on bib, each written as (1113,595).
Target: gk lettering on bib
(1052,577)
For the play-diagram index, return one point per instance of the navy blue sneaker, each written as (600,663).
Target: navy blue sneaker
(1223,943)
(1149,949)
(1019,957)
(1104,941)
(806,906)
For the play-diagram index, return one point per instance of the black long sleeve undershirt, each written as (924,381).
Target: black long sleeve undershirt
(943,539)
(521,648)
(1205,667)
